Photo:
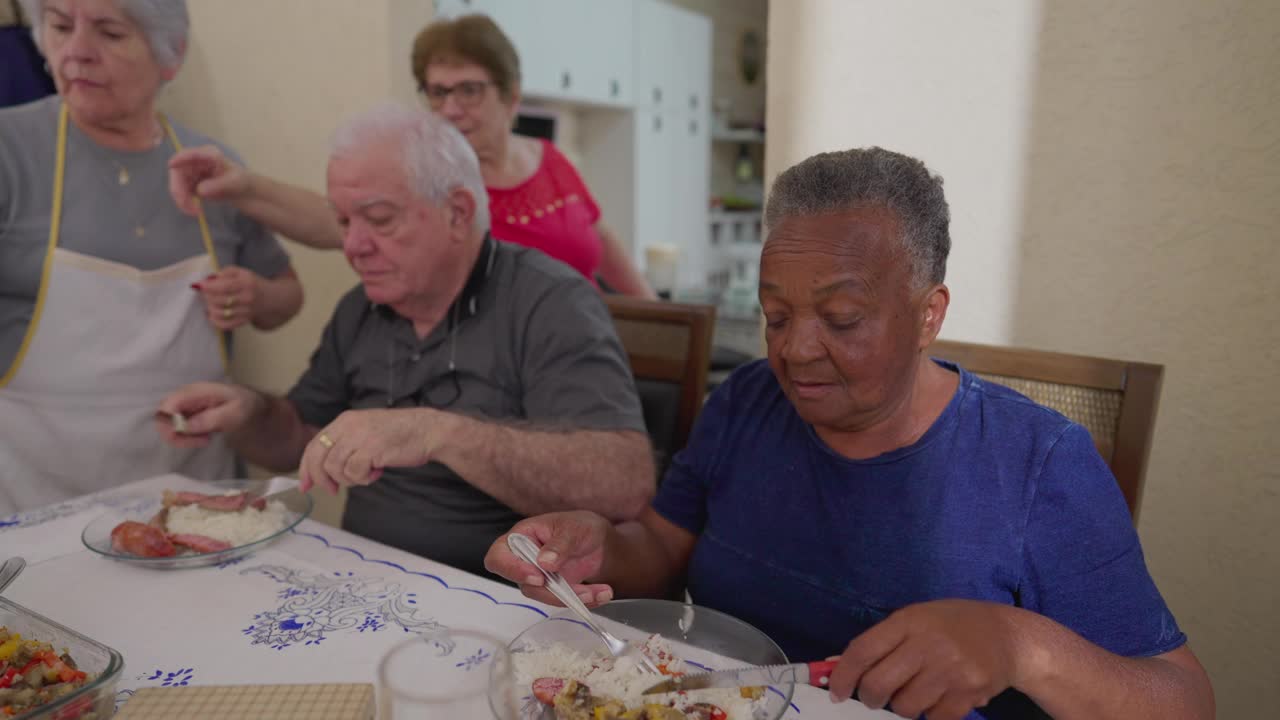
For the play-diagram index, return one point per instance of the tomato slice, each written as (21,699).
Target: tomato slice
(706,711)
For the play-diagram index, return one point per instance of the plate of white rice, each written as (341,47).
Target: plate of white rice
(678,637)
(245,530)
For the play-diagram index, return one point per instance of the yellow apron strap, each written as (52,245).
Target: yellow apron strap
(55,225)
(208,241)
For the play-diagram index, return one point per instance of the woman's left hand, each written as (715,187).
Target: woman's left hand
(229,296)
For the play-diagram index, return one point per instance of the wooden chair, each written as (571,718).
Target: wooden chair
(669,346)
(1114,400)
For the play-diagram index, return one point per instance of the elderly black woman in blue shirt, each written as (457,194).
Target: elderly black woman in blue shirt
(965,552)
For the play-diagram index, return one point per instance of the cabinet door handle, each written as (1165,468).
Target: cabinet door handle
(657,94)
(613,88)
(693,102)
(565,80)
(693,127)
(657,123)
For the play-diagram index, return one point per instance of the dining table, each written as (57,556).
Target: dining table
(318,605)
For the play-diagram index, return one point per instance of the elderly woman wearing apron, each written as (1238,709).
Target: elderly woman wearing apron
(110,297)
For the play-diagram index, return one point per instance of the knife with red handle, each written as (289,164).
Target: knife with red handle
(817,674)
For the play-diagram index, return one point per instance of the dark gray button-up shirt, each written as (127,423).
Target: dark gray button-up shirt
(531,340)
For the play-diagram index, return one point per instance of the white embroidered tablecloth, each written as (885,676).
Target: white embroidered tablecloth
(319,605)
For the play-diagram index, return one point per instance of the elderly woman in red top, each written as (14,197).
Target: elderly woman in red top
(469,73)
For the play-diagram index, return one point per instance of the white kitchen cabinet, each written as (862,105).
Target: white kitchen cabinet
(654,194)
(692,83)
(599,51)
(671,56)
(650,173)
(690,200)
(640,71)
(570,50)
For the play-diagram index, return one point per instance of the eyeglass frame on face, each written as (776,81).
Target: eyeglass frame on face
(469,93)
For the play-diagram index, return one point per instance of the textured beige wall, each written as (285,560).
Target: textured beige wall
(1147,226)
(273,80)
(1152,231)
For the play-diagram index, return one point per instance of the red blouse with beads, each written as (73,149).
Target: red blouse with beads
(551,211)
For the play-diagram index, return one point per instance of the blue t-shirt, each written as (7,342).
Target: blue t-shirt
(1001,500)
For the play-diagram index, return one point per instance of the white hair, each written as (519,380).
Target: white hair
(164,23)
(437,158)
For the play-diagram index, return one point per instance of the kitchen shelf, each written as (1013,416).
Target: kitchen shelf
(743,135)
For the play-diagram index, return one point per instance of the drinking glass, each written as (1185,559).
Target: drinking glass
(453,674)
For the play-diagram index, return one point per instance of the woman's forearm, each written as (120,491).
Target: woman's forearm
(1073,678)
(294,212)
(277,300)
(617,270)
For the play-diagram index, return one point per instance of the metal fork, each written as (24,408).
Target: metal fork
(9,570)
(526,549)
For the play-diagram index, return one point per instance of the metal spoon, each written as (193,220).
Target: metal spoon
(9,570)
(526,549)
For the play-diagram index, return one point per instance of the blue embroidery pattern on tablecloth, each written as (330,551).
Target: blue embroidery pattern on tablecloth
(442,581)
(474,661)
(177,678)
(406,571)
(317,605)
(128,503)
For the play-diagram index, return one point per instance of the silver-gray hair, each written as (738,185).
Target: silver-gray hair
(164,23)
(437,158)
(838,181)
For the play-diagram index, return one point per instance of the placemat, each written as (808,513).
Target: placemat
(330,701)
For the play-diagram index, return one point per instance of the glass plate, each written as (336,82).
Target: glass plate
(705,638)
(97,534)
(96,700)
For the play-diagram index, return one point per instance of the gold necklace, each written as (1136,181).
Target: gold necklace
(123,178)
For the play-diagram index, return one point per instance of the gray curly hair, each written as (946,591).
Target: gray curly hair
(165,24)
(837,181)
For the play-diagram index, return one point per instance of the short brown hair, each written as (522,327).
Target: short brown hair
(472,39)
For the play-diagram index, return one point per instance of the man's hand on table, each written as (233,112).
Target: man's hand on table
(356,447)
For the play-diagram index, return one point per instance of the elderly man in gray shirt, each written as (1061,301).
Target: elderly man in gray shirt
(465,383)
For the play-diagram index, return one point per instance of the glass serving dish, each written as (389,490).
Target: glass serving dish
(97,534)
(96,699)
(706,639)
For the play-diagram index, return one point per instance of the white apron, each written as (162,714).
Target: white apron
(107,342)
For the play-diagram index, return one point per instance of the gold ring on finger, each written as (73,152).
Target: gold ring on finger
(231,302)
(324,440)
(226,313)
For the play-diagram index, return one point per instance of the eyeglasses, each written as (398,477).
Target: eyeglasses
(440,391)
(467,92)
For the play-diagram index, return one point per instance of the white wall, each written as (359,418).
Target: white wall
(1112,172)
(944,81)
